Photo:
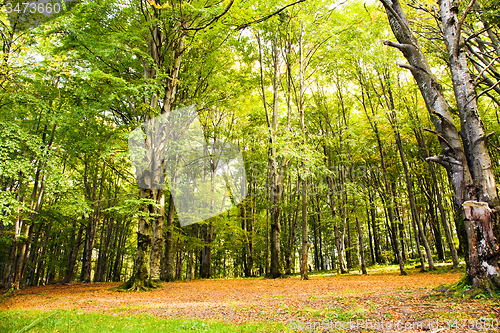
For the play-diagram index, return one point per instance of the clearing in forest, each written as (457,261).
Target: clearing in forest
(375,299)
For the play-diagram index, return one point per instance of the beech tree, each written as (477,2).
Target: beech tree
(465,155)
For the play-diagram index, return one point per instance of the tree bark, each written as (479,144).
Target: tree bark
(304,252)
(206,251)
(141,277)
(169,242)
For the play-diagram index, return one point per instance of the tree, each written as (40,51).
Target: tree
(468,164)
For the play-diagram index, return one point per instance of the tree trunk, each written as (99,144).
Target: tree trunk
(169,242)
(361,249)
(376,240)
(275,180)
(483,188)
(483,248)
(141,276)
(340,245)
(206,251)
(74,248)
(157,246)
(304,252)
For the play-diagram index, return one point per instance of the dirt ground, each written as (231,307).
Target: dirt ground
(379,299)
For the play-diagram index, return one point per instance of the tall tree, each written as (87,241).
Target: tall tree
(468,164)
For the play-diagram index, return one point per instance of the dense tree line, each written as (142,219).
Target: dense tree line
(353,156)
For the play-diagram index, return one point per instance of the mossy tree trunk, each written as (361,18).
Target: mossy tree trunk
(141,278)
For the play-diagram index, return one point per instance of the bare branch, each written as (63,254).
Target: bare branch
(488,90)
(461,22)
(437,159)
(438,135)
(410,67)
(401,47)
(485,69)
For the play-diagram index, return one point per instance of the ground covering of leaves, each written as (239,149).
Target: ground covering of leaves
(377,297)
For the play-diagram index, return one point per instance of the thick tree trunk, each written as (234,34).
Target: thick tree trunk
(141,276)
(484,224)
(166,52)
(483,270)
(206,251)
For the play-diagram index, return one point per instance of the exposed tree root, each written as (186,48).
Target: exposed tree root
(484,287)
(6,294)
(277,276)
(136,284)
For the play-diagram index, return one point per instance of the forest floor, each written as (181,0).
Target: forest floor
(377,302)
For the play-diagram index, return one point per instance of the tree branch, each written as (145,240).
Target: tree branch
(401,47)
(439,136)
(485,69)
(488,90)
(407,66)
(461,22)
(214,19)
(262,19)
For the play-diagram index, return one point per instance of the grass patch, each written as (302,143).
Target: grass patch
(332,313)
(23,321)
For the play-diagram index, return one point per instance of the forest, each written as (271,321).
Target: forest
(368,132)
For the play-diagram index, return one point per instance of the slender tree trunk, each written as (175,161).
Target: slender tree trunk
(376,240)
(442,213)
(339,243)
(157,246)
(275,180)
(411,198)
(169,242)
(73,252)
(361,249)
(304,252)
